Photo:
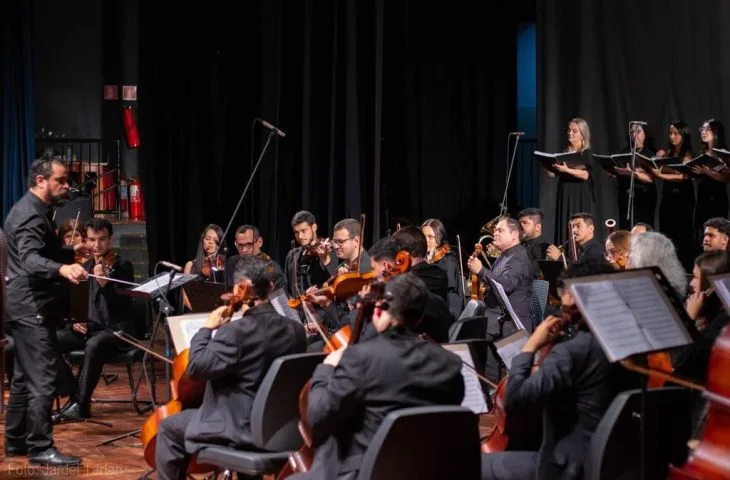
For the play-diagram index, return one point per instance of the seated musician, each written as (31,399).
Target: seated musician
(641,227)
(413,241)
(574,386)
(68,235)
(233,362)
(207,248)
(108,312)
(305,268)
(440,253)
(357,386)
(618,249)
(513,270)
(654,249)
(249,242)
(531,220)
(716,234)
(346,238)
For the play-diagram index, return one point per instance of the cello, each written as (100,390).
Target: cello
(186,392)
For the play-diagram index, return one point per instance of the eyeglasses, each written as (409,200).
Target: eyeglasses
(247,245)
(341,241)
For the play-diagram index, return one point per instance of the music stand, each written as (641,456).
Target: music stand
(551,271)
(204,296)
(155,288)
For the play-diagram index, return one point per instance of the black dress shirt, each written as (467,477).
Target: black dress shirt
(35,255)
(277,274)
(536,250)
(304,271)
(591,252)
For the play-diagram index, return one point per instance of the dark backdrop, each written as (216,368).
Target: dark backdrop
(615,61)
(394,109)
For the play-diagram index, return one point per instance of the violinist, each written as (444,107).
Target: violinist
(357,386)
(531,220)
(716,234)
(574,386)
(412,240)
(346,237)
(233,363)
(654,249)
(440,253)
(618,249)
(68,236)
(249,242)
(304,266)
(205,263)
(109,310)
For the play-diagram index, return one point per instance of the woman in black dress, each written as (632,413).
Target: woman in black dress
(676,204)
(644,189)
(575,185)
(710,185)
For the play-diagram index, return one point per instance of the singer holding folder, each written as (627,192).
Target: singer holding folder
(575,182)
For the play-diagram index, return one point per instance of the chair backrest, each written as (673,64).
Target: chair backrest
(275,410)
(424,442)
(474,308)
(615,450)
(539,300)
(470,328)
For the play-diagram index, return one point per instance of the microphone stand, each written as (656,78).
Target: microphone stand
(248,185)
(630,207)
(503,205)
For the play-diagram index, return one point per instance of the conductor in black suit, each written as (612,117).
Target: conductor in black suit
(357,386)
(574,385)
(233,364)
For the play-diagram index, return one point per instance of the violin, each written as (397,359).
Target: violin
(522,426)
(211,264)
(440,252)
(108,261)
(187,392)
(475,291)
(311,250)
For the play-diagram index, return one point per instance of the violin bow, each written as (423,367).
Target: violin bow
(461,269)
(362,239)
(76,224)
(313,321)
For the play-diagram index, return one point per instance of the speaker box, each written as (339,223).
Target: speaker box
(69,209)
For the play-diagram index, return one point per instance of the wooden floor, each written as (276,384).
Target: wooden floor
(120,460)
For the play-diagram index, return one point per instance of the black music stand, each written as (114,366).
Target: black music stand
(551,271)
(204,296)
(156,289)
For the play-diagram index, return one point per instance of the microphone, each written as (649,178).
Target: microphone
(519,134)
(637,122)
(171,265)
(271,127)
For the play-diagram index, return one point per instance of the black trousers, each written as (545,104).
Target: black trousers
(28,421)
(498,330)
(98,346)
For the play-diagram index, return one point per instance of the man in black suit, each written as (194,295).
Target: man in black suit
(512,270)
(531,222)
(575,384)
(302,270)
(249,242)
(357,386)
(233,363)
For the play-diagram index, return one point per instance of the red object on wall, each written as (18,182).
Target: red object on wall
(136,201)
(130,127)
(108,180)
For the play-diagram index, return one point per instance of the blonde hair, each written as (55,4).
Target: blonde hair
(585,132)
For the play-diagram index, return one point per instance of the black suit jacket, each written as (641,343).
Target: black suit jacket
(512,270)
(347,403)
(233,364)
(277,274)
(575,384)
(108,308)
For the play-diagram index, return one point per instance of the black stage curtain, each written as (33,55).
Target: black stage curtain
(615,61)
(398,110)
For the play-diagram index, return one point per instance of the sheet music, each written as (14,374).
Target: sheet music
(509,347)
(629,315)
(505,300)
(160,283)
(184,327)
(473,393)
(722,288)
(278,300)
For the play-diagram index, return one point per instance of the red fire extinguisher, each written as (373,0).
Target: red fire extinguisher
(136,205)
(124,197)
(130,127)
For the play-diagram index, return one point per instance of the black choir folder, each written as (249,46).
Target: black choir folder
(631,312)
(571,159)
(703,160)
(623,160)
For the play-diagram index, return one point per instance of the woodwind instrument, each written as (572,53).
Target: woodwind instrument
(610,226)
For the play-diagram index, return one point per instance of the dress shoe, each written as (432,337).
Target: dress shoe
(76,411)
(53,458)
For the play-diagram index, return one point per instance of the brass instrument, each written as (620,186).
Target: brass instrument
(487,233)
(610,226)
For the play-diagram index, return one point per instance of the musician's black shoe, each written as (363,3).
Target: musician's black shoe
(75,411)
(53,458)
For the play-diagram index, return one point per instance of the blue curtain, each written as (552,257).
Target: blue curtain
(17,134)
